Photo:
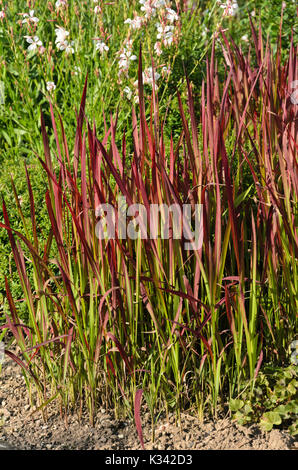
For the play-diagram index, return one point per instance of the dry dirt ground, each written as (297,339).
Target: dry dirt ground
(22,431)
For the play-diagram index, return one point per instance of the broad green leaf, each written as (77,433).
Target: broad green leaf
(269,419)
(236,405)
(293,429)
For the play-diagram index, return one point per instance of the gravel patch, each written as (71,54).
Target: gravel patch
(21,430)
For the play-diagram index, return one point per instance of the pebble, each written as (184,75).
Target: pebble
(4,446)
(4,413)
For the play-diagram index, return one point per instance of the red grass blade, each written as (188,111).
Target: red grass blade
(121,351)
(138,399)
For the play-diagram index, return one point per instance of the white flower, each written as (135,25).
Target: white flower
(148,8)
(2,14)
(128,92)
(61,34)
(136,23)
(101,46)
(61,45)
(230,7)
(157,48)
(61,3)
(168,38)
(128,44)
(77,70)
(68,47)
(51,86)
(172,15)
(158,3)
(34,42)
(165,71)
(148,76)
(244,38)
(125,58)
(61,41)
(165,33)
(30,18)
(97,8)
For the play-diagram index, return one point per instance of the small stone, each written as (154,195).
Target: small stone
(5,446)
(4,414)
(121,436)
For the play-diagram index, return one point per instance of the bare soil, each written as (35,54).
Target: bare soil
(21,430)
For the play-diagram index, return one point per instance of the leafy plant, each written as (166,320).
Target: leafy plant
(112,320)
(273,401)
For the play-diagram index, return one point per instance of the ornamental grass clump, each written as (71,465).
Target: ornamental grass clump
(122,321)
